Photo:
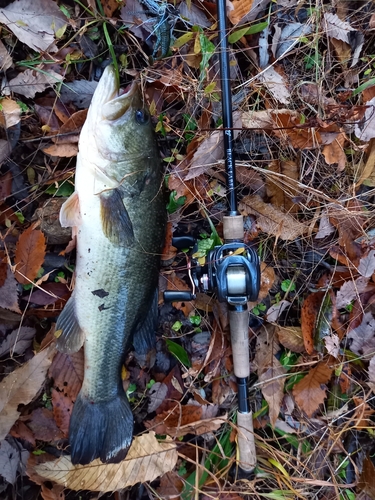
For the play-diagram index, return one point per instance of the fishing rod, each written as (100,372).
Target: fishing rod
(232,270)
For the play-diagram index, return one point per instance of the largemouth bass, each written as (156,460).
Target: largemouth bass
(118,215)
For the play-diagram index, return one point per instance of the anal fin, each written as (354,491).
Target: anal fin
(116,222)
(72,336)
(144,335)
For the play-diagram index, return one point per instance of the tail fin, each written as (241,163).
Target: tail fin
(100,430)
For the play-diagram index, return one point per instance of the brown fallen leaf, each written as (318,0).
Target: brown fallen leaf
(147,459)
(67,374)
(367,175)
(31,81)
(267,280)
(35,23)
(291,338)
(21,386)
(366,481)
(277,194)
(269,371)
(275,81)
(171,486)
(69,131)
(43,425)
(335,153)
(272,220)
(30,252)
(9,293)
(17,341)
(362,338)
(310,392)
(5,58)
(186,419)
(61,150)
(56,492)
(211,149)
(10,113)
(309,316)
(241,11)
(110,6)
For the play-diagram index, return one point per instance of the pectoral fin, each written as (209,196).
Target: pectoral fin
(72,337)
(70,214)
(116,222)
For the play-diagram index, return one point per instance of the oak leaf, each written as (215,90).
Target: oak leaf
(30,252)
(147,459)
(310,392)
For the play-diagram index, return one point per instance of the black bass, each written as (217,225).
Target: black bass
(118,215)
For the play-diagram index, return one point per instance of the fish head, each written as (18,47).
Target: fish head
(120,126)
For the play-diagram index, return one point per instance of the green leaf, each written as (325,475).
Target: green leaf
(174,204)
(207,49)
(195,320)
(363,87)
(215,460)
(38,452)
(178,352)
(177,326)
(287,285)
(237,35)
(185,38)
(63,189)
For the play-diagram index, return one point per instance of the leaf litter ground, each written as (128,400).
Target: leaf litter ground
(304,99)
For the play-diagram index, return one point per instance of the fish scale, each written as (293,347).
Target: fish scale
(118,215)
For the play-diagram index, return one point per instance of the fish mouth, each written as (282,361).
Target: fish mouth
(110,102)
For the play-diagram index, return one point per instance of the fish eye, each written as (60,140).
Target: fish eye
(141,116)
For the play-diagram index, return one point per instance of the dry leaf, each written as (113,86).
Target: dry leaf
(291,338)
(334,152)
(332,343)
(171,486)
(34,23)
(365,129)
(186,419)
(17,341)
(363,337)
(12,460)
(146,460)
(276,83)
(43,425)
(325,227)
(269,371)
(272,220)
(242,11)
(32,81)
(371,374)
(277,194)
(275,311)
(366,481)
(61,150)
(211,149)
(67,374)
(367,264)
(267,279)
(367,172)
(310,392)
(349,291)
(110,6)
(56,492)
(336,28)
(30,252)
(5,58)
(309,316)
(10,113)
(9,293)
(21,386)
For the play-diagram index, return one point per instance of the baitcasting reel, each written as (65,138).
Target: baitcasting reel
(231,270)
